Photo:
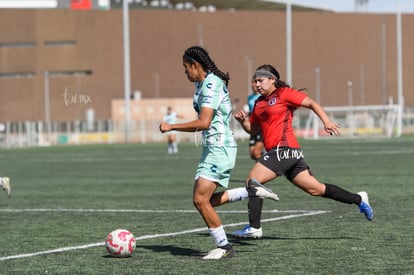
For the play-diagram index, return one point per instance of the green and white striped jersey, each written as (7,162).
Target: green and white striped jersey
(213,93)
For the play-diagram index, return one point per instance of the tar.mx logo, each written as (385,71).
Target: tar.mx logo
(198,138)
(75,97)
(201,139)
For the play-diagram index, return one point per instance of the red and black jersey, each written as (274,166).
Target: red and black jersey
(274,114)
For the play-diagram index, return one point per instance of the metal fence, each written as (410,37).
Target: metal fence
(38,133)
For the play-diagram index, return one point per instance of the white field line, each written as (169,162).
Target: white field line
(63,249)
(80,210)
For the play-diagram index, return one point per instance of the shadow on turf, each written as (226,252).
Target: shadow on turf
(174,250)
(243,241)
(247,241)
(180,251)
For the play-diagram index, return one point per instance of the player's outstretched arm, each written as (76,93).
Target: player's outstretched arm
(201,123)
(330,127)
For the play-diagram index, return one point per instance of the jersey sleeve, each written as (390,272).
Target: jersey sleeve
(293,97)
(211,93)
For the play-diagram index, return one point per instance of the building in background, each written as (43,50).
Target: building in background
(53,4)
(61,66)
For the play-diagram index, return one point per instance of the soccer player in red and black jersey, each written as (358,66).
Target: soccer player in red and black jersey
(272,114)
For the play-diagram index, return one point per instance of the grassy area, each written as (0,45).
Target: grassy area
(67,199)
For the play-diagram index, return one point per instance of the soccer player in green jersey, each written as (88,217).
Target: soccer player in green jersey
(213,106)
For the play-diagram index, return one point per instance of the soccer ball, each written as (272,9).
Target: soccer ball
(120,243)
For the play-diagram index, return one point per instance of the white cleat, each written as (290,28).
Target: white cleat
(5,185)
(248,232)
(255,189)
(219,253)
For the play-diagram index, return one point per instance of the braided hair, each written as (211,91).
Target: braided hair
(199,54)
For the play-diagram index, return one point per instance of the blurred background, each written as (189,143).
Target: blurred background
(101,71)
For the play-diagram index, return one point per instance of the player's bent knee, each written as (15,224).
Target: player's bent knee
(200,202)
(250,182)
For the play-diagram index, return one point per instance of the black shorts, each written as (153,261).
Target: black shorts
(285,161)
(255,139)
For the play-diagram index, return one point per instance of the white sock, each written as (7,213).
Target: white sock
(219,236)
(237,194)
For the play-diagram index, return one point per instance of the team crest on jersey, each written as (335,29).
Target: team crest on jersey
(213,168)
(272,101)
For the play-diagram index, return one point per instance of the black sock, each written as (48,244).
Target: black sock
(255,206)
(337,193)
(226,247)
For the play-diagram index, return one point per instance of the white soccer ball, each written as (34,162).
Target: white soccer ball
(120,243)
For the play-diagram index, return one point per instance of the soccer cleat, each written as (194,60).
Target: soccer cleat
(248,232)
(255,189)
(219,253)
(364,206)
(5,185)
